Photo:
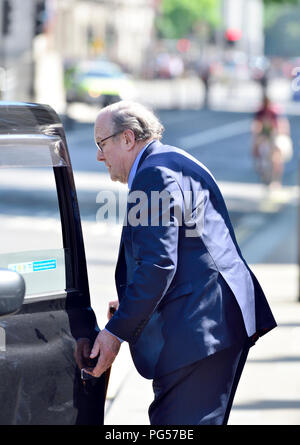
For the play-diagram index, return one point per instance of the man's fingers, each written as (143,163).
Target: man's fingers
(79,361)
(82,351)
(99,369)
(86,350)
(104,362)
(96,347)
(101,366)
(106,346)
(95,350)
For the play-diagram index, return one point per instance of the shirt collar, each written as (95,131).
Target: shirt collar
(134,166)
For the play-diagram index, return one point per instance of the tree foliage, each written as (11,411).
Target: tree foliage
(282,31)
(179,18)
(281,2)
(274,9)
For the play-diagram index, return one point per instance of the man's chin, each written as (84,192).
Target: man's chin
(116,179)
(112,177)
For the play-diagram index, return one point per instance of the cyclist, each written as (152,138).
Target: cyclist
(272,145)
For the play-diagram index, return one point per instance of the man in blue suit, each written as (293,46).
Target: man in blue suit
(188,304)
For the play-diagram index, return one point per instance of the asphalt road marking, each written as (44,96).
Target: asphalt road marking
(215,134)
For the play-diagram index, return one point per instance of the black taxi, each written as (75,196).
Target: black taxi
(44,292)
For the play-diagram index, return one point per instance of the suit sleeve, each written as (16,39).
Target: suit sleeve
(154,246)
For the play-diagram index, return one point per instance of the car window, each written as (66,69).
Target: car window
(102,74)
(31,236)
(100,70)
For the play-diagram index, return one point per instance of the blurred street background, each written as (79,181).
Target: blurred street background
(203,66)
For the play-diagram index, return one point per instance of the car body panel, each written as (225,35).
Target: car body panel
(41,382)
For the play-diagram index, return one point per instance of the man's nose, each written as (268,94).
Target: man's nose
(100,156)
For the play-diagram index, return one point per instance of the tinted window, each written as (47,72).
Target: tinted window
(31,236)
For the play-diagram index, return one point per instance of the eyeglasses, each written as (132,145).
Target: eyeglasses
(105,139)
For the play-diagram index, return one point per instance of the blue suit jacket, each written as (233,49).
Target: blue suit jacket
(185,290)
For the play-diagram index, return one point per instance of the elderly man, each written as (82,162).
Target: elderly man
(188,304)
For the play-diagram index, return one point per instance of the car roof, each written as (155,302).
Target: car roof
(101,66)
(30,135)
(28,118)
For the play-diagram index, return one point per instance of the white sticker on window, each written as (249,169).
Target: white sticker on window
(33,266)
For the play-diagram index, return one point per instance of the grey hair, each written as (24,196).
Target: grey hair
(136,117)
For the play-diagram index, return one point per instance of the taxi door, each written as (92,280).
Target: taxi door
(41,240)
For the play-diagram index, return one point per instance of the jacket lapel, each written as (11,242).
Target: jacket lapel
(151,147)
(120,273)
(146,153)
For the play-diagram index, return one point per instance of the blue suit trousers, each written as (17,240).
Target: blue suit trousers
(201,393)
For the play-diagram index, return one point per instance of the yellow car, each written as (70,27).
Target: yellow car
(98,83)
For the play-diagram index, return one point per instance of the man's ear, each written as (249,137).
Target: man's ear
(129,138)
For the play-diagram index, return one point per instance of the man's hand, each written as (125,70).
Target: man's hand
(107,347)
(82,352)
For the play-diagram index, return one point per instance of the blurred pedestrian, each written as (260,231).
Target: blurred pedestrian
(204,72)
(272,144)
(188,304)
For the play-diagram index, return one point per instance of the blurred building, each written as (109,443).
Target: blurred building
(16,64)
(243,25)
(39,36)
(118,29)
